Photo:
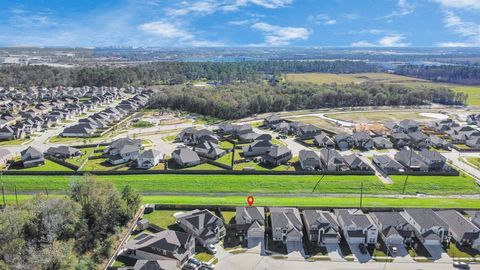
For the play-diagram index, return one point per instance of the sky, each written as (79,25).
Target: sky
(225,23)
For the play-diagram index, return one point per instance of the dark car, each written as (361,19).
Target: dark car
(461,265)
(363,248)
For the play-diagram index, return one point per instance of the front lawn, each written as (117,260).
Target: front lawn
(226,145)
(226,159)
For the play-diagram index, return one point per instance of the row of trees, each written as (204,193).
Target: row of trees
(240,100)
(168,72)
(66,233)
(461,74)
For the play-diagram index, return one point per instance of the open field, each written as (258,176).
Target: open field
(319,122)
(266,184)
(328,78)
(380,116)
(298,201)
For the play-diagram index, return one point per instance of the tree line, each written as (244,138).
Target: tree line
(241,100)
(168,72)
(461,74)
(75,232)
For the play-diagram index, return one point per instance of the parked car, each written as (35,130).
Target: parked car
(195,262)
(394,250)
(461,265)
(189,266)
(363,248)
(208,266)
(211,248)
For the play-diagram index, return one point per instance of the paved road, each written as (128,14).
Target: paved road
(455,156)
(253,261)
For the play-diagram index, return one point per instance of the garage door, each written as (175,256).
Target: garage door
(431,242)
(254,241)
(356,240)
(394,241)
(294,246)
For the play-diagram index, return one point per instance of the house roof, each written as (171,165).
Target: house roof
(151,153)
(354,217)
(63,150)
(288,218)
(243,214)
(186,155)
(387,161)
(277,151)
(306,154)
(353,160)
(203,223)
(426,217)
(459,224)
(322,219)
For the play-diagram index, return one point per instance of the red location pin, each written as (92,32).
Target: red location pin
(250,200)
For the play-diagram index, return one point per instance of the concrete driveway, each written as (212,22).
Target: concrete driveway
(359,256)
(334,252)
(401,255)
(438,253)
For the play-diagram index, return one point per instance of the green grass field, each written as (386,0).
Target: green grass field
(14,142)
(380,116)
(297,201)
(329,78)
(267,184)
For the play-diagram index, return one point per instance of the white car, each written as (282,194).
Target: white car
(212,249)
(394,250)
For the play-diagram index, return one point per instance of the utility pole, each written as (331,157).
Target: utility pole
(405,184)
(361,195)
(46,191)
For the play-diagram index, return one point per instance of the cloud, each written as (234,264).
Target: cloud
(469,30)
(166,30)
(243,22)
(321,19)
(207,7)
(393,40)
(277,35)
(404,8)
(460,4)
(367,31)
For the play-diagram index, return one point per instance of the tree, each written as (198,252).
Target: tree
(132,198)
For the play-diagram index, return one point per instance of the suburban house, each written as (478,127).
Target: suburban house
(149,265)
(382,143)
(277,155)
(356,226)
(208,149)
(394,228)
(123,150)
(250,223)
(418,140)
(203,225)
(309,160)
(31,157)
(253,136)
(186,135)
(80,130)
(355,163)
(430,229)
(439,143)
(7,133)
(343,141)
(282,127)
(63,152)
(307,132)
(257,148)
(272,120)
(241,129)
(204,135)
(185,157)
(321,226)
(295,127)
(332,160)
(363,141)
(434,160)
(408,126)
(149,159)
(387,164)
(166,245)
(411,160)
(323,140)
(225,128)
(473,142)
(463,231)
(287,227)
(400,140)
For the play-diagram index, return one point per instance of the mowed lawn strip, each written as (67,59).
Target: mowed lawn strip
(151,183)
(211,183)
(296,201)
